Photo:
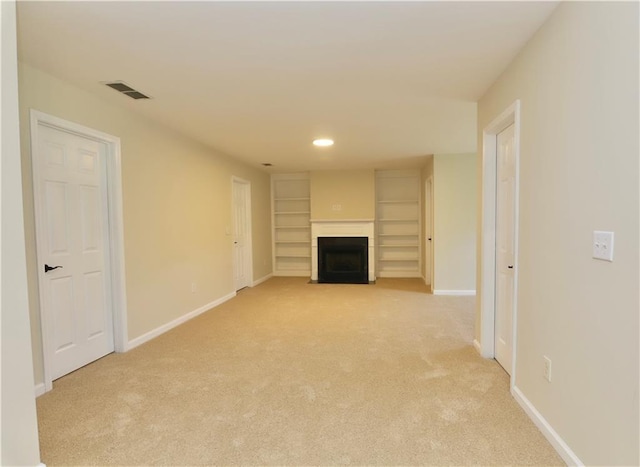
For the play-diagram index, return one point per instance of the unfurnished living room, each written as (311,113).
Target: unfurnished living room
(320,233)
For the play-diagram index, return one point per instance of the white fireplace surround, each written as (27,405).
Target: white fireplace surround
(342,228)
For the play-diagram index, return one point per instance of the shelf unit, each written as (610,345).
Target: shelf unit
(291,210)
(398,223)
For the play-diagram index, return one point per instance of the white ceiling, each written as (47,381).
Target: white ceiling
(391,82)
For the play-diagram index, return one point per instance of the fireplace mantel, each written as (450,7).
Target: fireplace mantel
(341,228)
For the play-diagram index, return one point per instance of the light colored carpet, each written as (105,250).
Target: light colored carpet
(290,373)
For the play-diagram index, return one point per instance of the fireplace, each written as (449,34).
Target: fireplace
(342,228)
(343,260)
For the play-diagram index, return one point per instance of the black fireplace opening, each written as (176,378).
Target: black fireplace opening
(343,260)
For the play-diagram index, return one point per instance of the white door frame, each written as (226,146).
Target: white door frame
(249,245)
(428,193)
(488,233)
(116,229)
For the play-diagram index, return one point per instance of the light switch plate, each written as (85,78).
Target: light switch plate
(603,245)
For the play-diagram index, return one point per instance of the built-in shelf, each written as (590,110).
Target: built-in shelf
(396,220)
(294,227)
(400,245)
(397,259)
(291,213)
(291,209)
(398,202)
(291,199)
(396,235)
(398,223)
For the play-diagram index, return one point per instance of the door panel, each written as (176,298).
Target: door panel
(57,217)
(94,303)
(90,219)
(73,234)
(87,162)
(505,251)
(62,304)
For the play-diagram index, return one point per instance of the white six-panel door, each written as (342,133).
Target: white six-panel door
(72,223)
(241,193)
(505,246)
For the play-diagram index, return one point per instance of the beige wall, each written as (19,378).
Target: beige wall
(177,207)
(454,222)
(352,190)
(577,80)
(19,444)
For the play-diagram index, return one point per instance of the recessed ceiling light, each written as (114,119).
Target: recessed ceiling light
(323,142)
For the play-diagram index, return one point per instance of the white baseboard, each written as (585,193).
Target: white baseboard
(454,292)
(176,322)
(476,344)
(552,436)
(263,279)
(40,389)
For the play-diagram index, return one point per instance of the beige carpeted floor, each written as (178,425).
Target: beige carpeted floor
(290,373)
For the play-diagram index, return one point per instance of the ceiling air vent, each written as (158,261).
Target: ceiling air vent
(126,89)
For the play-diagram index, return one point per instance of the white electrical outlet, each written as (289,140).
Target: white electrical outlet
(194,287)
(603,245)
(547,368)
(336,207)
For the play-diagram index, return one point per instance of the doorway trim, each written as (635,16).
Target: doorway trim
(511,115)
(249,246)
(116,228)
(428,234)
